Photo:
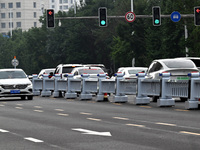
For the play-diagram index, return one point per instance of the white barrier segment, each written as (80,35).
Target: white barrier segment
(37,85)
(47,85)
(192,103)
(128,86)
(100,95)
(165,99)
(85,94)
(56,92)
(119,97)
(73,86)
(140,97)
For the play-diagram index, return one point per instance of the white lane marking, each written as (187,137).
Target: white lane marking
(94,119)
(191,133)
(84,113)
(58,109)
(181,110)
(166,124)
(18,107)
(33,140)
(38,110)
(19,104)
(146,106)
(92,132)
(60,114)
(1,105)
(37,106)
(3,131)
(136,125)
(120,118)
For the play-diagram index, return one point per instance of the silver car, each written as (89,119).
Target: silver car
(178,68)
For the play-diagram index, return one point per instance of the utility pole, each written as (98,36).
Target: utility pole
(131,5)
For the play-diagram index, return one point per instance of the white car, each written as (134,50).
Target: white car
(92,71)
(130,72)
(15,83)
(48,71)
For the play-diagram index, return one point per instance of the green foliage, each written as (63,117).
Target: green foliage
(83,41)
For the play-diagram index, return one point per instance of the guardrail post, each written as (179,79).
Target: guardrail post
(84,94)
(45,92)
(119,97)
(69,93)
(100,95)
(165,99)
(192,103)
(140,97)
(56,92)
(36,89)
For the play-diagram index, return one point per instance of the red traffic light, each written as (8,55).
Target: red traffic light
(50,12)
(50,18)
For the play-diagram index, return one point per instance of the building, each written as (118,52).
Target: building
(25,14)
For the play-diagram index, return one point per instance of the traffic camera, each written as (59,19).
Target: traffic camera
(50,18)
(197,16)
(102,16)
(156,15)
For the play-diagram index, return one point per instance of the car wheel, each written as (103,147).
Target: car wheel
(30,97)
(23,97)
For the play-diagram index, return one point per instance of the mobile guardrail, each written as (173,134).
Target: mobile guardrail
(37,85)
(60,86)
(47,86)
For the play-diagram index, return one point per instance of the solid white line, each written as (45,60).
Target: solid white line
(94,119)
(120,118)
(33,140)
(3,131)
(166,124)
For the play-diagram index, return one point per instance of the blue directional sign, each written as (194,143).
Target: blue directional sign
(175,16)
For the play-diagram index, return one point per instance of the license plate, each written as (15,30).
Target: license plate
(183,78)
(14,91)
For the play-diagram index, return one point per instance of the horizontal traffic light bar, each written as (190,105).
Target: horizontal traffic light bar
(113,17)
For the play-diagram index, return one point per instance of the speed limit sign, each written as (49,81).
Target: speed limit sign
(130,16)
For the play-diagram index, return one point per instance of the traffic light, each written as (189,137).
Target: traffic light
(156,16)
(102,16)
(197,16)
(50,18)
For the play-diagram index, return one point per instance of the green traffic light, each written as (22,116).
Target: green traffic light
(157,21)
(103,22)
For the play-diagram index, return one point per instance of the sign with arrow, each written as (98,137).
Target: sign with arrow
(85,131)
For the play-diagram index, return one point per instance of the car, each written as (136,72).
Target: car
(48,71)
(92,71)
(63,69)
(130,72)
(196,60)
(15,83)
(178,68)
(102,66)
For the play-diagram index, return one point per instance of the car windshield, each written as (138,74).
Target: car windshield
(178,64)
(135,71)
(67,69)
(12,74)
(91,71)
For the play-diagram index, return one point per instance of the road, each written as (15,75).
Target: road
(47,123)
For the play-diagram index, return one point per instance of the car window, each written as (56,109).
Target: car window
(196,62)
(135,71)
(12,74)
(67,69)
(91,71)
(179,64)
(155,67)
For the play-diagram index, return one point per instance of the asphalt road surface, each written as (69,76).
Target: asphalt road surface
(47,123)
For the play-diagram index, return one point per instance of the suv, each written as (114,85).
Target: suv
(65,68)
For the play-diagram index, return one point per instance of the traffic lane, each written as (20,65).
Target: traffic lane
(86,125)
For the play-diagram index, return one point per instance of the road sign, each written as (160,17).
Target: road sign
(130,16)
(175,16)
(15,62)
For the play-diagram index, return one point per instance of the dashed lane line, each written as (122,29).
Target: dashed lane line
(121,118)
(145,106)
(85,113)
(166,124)
(61,114)
(18,107)
(37,106)
(33,140)
(2,105)
(94,119)
(136,125)
(3,131)
(58,109)
(181,110)
(19,104)
(38,110)
(190,133)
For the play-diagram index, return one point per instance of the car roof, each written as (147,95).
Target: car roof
(70,65)
(78,68)
(11,69)
(134,68)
